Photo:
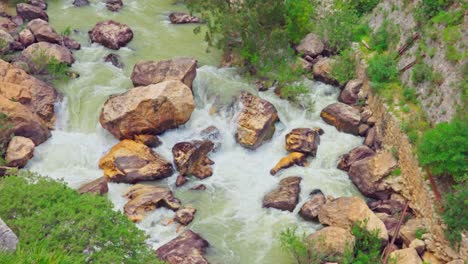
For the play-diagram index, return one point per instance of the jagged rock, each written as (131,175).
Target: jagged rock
(419,245)
(293,158)
(42,31)
(130,162)
(152,72)
(26,37)
(185,215)
(345,212)
(430,258)
(304,140)
(374,138)
(191,158)
(183,18)
(200,187)
(363,129)
(344,117)
(145,198)
(7,39)
(7,24)
(149,109)
(79,3)
(212,134)
(322,71)
(115,60)
(114,5)
(4,170)
(367,174)
(285,196)
(98,186)
(390,222)
(8,239)
(188,248)
(331,242)
(39,3)
(111,34)
(256,121)
(20,150)
(349,95)
(30,12)
(311,45)
(406,256)
(390,207)
(70,43)
(151,141)
(354,155)
(310,209)
(37,53)
(411,227)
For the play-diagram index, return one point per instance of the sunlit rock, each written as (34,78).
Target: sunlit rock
(331,242)
(344,117)
(284,197)
(98,186)
(188,248)
(310,209)
(191,158)
(19,151)
(293,158)
(111,34)
(304,140)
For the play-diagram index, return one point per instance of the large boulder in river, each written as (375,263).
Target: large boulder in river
(183,18)
(304,140)
(345,212)
(42,31)
(39,54)
(30,12)
(349,94)
(286,196)
(98,186)
(354,155)
(19,151)
(256,121)
(311,45)
(111,34)
(322,70)
(406,256)
(185,215)
(130,162)
(8,239)
(331,242)
(152,72)
(149,109)
(310,209)
(344,117)
(191,158)
(188,248)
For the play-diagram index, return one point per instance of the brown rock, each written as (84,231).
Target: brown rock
(30,12)
(311,45)
(362,129)
(212,134)
(37,53)
(419,245)
(303,140)
(429,258)
(344,117)
(20,150)
(183,18)
(310,209)
(26,37)
(149,109)
(406,256)
(354,155)
(8,239)
(390,207)
(115,60)
(191,158)
(256,121)
(145,198)
(111,34)
(285,196)
(131,162)
(200,187)
(322,71)
(188,248)
(39,3)
(411,227)
(15,92)
(42,31)
(152,72)
(79,3)
(98,186)
(114,5)
(151,141)
(293,158)
(331,242)
(457,261)
(7,25)
(349,95)
(70,43)
(185,215)
(390,222)
(374,138)
(181,180)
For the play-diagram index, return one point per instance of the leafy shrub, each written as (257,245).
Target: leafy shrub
(363,6)
(420,73)
(299,247)
(5,136)
(420,231)
(382,68)
(344,68)
(431,8)
(298,18)
(455,214)
(410,95)
(57,225)
(384,37)
(43,63)
(449,18)
(366,248)
(293,91)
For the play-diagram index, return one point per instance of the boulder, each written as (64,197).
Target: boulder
(349,95)
(98,186)
(212,134)
(322,71)
(406,256)
(16,46)
(7,24)
(345,212)
(331,242)
(188,248)
(115,60)
(42,31)
(367,174)
(145,198)
(419,245)
(311,46)
(391,207)
(152,72)
(130,162)
(183,18)
(430,258)
(114,5)
(6,39)
(19,151)
(39,3)
(26,37)
(304,140)
(185,215)
(363,129)
(284,197)
(390,222)
(38,54)
(256,121)
(19,21)
(354,155)
(30,12)
(374,138)
(70,43)
(15,92)
(8,239)
(310,209)
(151,141)
(111,34)
(344,117)
(79,3)
(149,109)
(293,158)
(409,230)
(191,158)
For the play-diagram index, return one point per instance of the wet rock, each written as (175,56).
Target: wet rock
(200,187)
(7,39)
(20,150)
(304,140)
(30,12)
(410,229)
(345,212)
(419,245)
(182,18)
(367,174)
(406,256)
(111,34)
(185,215)
(7,24)
(311,46)
(130,162)
(188,248)
(191,158)
(39,3)
(322,71)
(42,31)
(256,121)
(70,43)
(79,3)
(8,239)
(349,95)
(310,209)
(344,117)
(149,109)
(146,198)
(114,5)
(373,139)
(37,53)
(331,242)
(98,186)
(293,158)
(212,134)
(354,155)
(286,196)
(115,60)
(26,37)
(151,141)
(152,72)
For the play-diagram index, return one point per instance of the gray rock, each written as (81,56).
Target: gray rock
(8,239)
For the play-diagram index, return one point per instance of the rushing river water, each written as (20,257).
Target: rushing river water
(230,214)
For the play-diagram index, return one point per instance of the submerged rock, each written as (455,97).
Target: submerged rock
(146,198)
(114,5)
(188,248)
(42,31)
(310,209)
(98,186)
(30,12)
(149,109)
(191,158)
(354,155)
(293,158)
(304,140)
(185,215)
(331,242)
(111,34)
(200,187)
(344,117)
(8,239)
(114,59)
(311,45)
(79,3)
(286,196)
(183,18)
(20,150)
(130,162)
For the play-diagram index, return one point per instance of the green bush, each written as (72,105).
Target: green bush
(298,18)
(300,248)
(382,68)
(455,214)
(363,6)
(449,18)
(55,224)
(420,73)
(366,248)
(444,150)
(431,8)
(344,68)
(5,136)
(384,37)
(293,91)
(410,95)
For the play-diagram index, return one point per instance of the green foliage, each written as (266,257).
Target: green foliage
(420,73)
(43,63)
(298,18)
(384,37)
(420,231)
(382,69)
(449,18)
(410,95)
(366,248)
(300,248)
(363,6)
(5,136)
(344,68)
(67,31)
(452,34)
(430,8)
(444,150)
(455,214)
(55,224)
(293,91)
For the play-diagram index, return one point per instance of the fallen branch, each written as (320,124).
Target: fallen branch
(386,252)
